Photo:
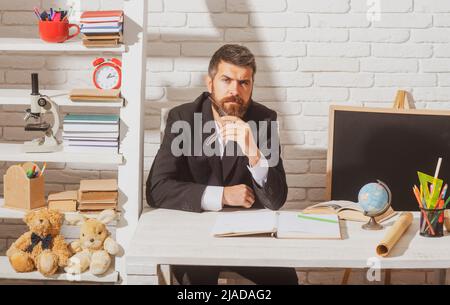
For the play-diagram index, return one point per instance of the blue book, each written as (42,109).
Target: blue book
(92,118)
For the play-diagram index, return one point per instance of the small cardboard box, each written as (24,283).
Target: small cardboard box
(21,192)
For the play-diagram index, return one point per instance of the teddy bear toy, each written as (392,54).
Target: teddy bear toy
(42,247)
(94,248)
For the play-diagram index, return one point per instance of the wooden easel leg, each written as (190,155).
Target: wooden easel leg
(387,276)
(346,276)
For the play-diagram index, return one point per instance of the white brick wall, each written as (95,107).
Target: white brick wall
(310,54)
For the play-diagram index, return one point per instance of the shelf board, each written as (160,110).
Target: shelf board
(36,44)
(7,272)
(9,213)
(60,97)
(13,152)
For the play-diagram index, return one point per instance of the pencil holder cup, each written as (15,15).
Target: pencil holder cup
(22,192)
(56,31)
(432,222)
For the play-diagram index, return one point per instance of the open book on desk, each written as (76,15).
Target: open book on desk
(277,224)
(346,210)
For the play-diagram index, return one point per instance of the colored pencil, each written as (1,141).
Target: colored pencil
(416,193)
(43,169)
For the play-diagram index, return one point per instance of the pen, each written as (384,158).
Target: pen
(43,169)
(44,15)
(444,190)
(436,173)
(36,12)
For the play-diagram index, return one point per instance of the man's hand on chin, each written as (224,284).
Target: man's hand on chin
(239,195)
(234,129)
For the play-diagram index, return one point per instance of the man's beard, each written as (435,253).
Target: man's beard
(231,105)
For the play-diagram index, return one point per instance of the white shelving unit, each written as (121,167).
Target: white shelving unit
(6,272)
(13,152)
(130,158)
(60,97)
(37,45)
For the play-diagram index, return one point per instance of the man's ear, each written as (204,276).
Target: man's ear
(209,81)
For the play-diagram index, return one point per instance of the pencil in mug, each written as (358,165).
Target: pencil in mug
(428,223)
(433,186)
(440,205)
(420,201)
(416,193)
(43,169)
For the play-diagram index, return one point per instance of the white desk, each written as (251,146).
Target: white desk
(169,237)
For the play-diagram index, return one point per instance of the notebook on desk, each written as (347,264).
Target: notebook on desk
(277,224)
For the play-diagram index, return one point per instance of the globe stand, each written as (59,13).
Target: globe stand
(372,224)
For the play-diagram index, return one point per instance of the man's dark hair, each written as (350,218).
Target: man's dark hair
(234,54)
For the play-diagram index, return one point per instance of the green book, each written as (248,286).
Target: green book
(92,118)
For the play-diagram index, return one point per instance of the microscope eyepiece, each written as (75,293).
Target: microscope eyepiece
(34,84)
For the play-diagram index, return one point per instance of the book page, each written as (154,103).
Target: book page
(299,225)
(332,207)
(354,215)
(244,223)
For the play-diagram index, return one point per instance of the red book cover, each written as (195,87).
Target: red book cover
(91,14)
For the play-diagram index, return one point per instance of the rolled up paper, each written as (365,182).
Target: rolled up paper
(393,235)
(447,220)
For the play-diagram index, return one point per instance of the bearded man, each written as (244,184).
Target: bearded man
(231,159)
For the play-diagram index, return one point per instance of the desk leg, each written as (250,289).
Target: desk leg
(387,276)
(346,276)
(442,274)
(164,274)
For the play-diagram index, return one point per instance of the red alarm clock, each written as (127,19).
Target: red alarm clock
(107,73)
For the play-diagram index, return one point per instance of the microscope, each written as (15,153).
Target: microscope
(40,104)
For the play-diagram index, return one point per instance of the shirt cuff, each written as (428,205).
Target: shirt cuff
(260,171)
(212,198)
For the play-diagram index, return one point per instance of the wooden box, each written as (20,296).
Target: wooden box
(21,192)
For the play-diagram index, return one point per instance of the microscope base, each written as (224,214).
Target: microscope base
(41,146)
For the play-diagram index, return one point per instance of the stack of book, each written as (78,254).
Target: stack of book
(63,201)
(102,28)
(95,95)
(85,133)
(97,195)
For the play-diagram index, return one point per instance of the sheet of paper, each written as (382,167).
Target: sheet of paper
(295,224)
(243,223)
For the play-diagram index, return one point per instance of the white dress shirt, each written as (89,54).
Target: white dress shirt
(212,196)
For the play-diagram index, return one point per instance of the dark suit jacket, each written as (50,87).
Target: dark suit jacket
(179,182)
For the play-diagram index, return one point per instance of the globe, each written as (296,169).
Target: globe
(374,198)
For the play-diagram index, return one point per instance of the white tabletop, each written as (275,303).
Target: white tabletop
(176,237)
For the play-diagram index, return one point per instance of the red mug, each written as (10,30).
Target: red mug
(56,31)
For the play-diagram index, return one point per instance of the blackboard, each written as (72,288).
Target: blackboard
(366,144)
